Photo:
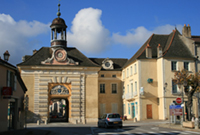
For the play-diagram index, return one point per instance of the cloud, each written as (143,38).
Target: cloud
(138,36)
(87,32)
(16,37)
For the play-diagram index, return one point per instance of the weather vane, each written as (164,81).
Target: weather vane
(58,13)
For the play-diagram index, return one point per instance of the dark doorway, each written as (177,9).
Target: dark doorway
(11,115)
(58,110)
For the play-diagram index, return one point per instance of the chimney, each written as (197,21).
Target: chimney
(34,51)
(159,50)
(189,31)
(148,51)
(186,31)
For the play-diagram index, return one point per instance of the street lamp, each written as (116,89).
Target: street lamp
(165,86)
(6,55)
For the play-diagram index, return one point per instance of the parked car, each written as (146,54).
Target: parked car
(110,120)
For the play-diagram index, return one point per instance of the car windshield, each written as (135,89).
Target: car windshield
(113,116)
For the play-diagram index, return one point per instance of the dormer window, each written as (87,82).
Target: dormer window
(107,64)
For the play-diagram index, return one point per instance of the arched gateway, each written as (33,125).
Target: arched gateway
(65,85)
(58,102)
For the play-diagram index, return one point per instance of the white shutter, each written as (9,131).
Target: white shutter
(102,109)
(114,108)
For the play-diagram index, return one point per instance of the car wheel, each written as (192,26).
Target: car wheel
(120,126)
(98,125)
(105,125)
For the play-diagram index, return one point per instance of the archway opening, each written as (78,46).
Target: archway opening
(59,110)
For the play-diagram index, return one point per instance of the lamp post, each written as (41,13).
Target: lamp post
(165,86)
(184,85)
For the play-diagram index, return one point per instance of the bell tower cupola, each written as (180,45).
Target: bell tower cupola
(58,31)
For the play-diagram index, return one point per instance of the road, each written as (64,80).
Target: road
(150,128)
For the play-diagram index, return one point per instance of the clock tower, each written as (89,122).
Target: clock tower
(59,43)
(58,31)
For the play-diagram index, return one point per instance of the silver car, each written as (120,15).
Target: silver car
(110,120)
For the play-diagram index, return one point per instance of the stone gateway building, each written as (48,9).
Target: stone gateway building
(64,85)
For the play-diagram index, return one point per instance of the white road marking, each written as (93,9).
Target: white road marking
(183,133)
(176,131)
(164,132)
(192,132)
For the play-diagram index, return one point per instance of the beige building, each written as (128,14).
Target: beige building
(147,76)
(65,85)
(12,97)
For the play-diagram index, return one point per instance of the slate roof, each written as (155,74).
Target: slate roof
(118,63)
(45,52)
(196,39)
(10,66)
(171,44)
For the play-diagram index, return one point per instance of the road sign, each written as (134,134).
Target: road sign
(178,100)
(175,110)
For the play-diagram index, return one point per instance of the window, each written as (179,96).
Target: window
(127,88)
(136,87)
(114,88)
(186,66)
(123,90)
(102,75)
(114,76)
(135,68)
(131,70)
(129,109)
(127,72)
(174,87)
(113,116)
(114,108)
(123,75)
(132,88)
(102,109)
(124,108)
(11,80)
(102,88)
(173,64)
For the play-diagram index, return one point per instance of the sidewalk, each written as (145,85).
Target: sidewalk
(178,127)
(162,123)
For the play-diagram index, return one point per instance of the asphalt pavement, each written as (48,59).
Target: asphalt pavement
(35,131)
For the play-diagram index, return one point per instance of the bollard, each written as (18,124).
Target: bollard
(46,122)
(38,122)
(182,122)
(196,124)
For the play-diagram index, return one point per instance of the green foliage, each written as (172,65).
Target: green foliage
(186,79)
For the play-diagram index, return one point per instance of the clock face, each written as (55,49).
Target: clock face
(107,64)
(60,55)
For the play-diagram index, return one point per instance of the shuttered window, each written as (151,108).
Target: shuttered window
(102,109)
(114,108)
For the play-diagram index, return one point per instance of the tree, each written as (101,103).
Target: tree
(191,84)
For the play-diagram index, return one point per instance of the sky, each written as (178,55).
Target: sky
(97,28)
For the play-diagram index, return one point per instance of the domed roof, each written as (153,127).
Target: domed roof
(58,22)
